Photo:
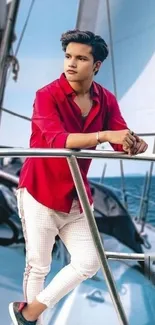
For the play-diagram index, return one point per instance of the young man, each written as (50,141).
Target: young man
(71,112)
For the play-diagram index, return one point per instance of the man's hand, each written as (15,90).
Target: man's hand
(123,137)
(130,141)
(139,147)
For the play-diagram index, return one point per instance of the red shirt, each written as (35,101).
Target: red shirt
(55,116)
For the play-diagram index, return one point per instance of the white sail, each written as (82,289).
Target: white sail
(133,43)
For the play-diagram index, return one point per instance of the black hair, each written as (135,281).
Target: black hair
(99,47)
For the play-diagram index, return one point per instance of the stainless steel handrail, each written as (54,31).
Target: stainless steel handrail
(9,177)
(149,134)
(60,153)
(125,256)
(79,184)
(71,156)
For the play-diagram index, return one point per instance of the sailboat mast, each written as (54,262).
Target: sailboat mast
(5,47)
(111,48)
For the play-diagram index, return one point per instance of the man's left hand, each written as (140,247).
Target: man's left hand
(139,147)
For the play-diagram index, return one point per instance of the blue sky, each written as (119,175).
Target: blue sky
(41,61)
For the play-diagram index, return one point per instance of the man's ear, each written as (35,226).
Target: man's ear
(97,66)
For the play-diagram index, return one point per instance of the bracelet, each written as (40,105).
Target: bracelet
(97,138)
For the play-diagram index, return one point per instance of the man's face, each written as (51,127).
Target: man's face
(79,62)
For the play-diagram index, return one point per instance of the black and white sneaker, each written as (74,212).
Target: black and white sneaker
(15,310)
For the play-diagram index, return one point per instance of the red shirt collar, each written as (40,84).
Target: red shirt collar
(70,91)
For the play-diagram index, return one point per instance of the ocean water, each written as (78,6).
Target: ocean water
(134,188)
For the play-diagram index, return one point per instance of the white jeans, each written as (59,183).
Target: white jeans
(40,227)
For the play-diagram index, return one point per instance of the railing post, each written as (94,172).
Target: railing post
(75,171)
(103,173)
(123,186)
(144,211)
(143,196)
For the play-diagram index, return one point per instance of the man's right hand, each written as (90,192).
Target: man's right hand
(123,137)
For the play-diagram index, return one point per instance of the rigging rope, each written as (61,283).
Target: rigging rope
(22,35)
(15,114)
(24,27)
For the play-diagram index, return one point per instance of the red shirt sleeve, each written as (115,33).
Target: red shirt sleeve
(46,117)
(115,120)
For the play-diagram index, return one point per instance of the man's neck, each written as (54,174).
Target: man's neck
(81,88)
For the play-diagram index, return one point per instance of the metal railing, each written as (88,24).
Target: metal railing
(60,153)
(71,156)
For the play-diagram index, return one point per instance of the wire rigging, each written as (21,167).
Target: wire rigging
(24,27)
